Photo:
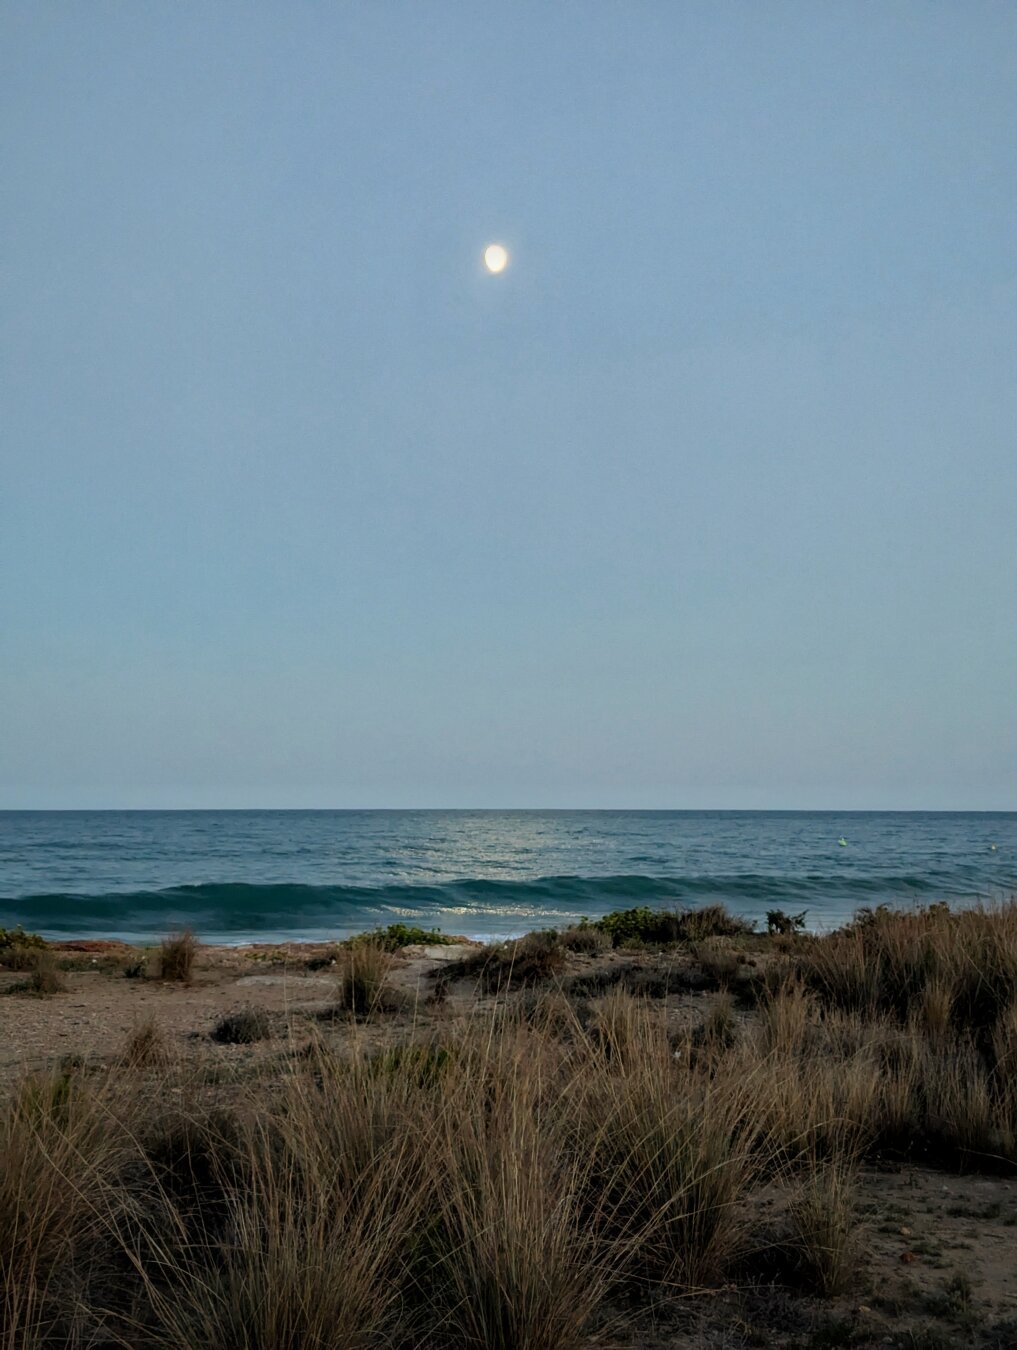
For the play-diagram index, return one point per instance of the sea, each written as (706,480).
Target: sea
(269,876)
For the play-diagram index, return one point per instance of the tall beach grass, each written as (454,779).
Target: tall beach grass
(513,1177)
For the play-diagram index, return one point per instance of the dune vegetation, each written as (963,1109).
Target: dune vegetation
(558,1160)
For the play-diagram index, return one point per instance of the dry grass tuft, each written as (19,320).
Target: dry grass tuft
(908,964)
(720,1026)
(718,961)
(935,1008)
(825,1230)
(585,938)
(62,1147)
(363,980)
(45,976)
(298,1257)
(145,1047)
(510,1259)
(532,959)
(174,959)
(673,1160)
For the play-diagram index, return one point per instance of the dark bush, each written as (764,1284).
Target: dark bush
(243,1027)
(663,927)
(785,924)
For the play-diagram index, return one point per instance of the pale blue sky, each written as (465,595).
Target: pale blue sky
(709,500)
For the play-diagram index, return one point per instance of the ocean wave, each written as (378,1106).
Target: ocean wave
(242,907)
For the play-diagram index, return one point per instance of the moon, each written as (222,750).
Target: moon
(496,258)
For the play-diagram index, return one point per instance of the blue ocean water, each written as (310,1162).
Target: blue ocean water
(236,876)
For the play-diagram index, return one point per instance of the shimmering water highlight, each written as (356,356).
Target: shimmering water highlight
(268,875)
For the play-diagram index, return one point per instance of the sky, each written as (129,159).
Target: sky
(708,500)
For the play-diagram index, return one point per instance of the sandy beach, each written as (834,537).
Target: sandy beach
(294,983)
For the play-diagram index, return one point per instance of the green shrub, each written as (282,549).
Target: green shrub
(18,948)
(398,935)
(662,927)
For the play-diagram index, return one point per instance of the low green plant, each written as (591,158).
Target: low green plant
(272,956)
(664,927)
(18,948)
(640,924)
(953,1299)
(960,1291)
(398,935)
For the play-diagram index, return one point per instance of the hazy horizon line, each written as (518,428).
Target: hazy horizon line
(591,810)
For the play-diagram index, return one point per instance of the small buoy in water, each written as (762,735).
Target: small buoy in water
(993,847)
(842,841)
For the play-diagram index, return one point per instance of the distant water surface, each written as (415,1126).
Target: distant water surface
(239,876)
